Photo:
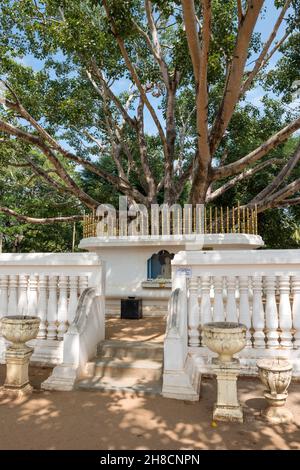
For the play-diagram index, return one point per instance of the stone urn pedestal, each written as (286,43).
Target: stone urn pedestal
(18,330)
(226,339)
(276,375)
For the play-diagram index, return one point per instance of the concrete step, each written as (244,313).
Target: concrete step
(125,365)
(130,350)
(145,369)
(126,384)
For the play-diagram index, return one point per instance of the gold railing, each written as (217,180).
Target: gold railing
(215,220)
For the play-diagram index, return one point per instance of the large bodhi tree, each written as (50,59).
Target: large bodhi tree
(148,97)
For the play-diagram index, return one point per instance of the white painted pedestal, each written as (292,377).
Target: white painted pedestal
(227,407)
(17,381)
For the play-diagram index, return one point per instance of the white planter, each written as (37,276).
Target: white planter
(18,329)
(276,375)
(224,338)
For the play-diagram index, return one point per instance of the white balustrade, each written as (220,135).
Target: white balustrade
(258,289)
(52,308)
(83,283)
(48,286)
(218,306)
(12,308)
(285,313)
(33,295)
(205,302)
(244,306)
(271,312)
(23,295)
(296,309)
(193,313)
(73,300)
(231,310)
(42,306)
(258,320)
(3,294)
(62,309)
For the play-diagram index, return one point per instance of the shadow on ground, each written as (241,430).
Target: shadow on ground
(119,420)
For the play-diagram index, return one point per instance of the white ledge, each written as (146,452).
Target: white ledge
(189,242)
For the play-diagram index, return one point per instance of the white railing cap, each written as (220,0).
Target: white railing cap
(50,259)
(234,257)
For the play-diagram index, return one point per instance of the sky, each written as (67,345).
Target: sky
(264,26)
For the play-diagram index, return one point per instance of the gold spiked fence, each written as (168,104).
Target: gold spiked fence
(214,220)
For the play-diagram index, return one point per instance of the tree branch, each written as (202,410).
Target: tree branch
(240,10)
(42,221)
(135,77)
(235,74)
(61,172)
(190,21)
(262,59)
(273,142)
(283,174)
(245,174)
(277,198)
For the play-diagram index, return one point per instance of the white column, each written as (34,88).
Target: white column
(42,306)
(73,299)
(271,312)
(32,297)
(205,309)
(12,308)
(193,313)
(52,308)
(3,294)
(258,313)
(244,307)
(218,299)
(62,312)
(83,283)
(296,309)
(23,301)
(231,310)
(285,312)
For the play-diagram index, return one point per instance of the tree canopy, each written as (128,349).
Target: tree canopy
(150,99)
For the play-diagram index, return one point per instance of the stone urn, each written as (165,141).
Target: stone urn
(224,338)
(276,375)
(18,329)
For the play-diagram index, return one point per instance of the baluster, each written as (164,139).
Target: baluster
(258,313)
(3,294)
(12,308)
(193,313)
(23,301)
(32,297)
(296,309)
(285,312)
(271,312)
(244,307)
(52,308)
(231,310)
(83,283)
(218,299)
(205,308)
(73,299)
(62,313)
(42,306)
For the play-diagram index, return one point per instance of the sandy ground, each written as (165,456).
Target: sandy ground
(116,420)
(145,329)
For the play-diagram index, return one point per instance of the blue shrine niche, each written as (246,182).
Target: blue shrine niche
(159,265)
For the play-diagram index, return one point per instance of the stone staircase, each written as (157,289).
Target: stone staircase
(125,365)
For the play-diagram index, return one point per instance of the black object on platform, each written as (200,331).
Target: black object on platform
(131,308)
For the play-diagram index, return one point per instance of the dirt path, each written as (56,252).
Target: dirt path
(105,420)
